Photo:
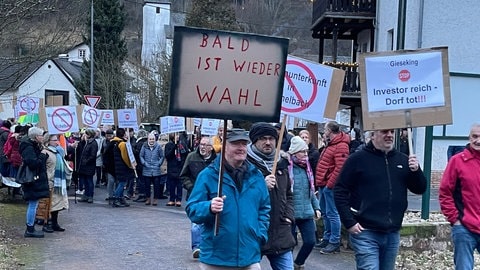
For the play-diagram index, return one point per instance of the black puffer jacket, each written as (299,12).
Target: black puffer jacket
(280,238)
(37,162)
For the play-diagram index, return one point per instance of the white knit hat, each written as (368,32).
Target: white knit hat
(297,144)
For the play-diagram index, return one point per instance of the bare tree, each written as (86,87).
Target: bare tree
(33,31)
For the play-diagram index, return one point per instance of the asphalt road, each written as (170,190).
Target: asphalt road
(99,237)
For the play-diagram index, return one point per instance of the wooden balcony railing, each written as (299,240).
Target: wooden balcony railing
(320,7)
(351,83)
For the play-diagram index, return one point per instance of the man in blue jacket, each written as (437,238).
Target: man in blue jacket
(243,209)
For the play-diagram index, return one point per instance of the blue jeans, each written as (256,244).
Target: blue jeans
(119,190)
(141,188)
(307,230)
(465,243)
(375,250)
(110,185)
(196,230)
(31,212)
(282,261)
(89,186)
(331,219)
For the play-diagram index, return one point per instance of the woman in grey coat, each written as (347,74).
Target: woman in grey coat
(151,157)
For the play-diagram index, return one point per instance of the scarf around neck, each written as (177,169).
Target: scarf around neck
(59,181)
(302,164)
(260,158)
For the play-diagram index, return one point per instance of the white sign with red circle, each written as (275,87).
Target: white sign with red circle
(29,104)
(210,126)
(171,124)
(91,116)
(127,118)
(108,118)
(61,119)
(405,81)
(306,88)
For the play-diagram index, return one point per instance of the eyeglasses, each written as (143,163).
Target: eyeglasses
(205,145)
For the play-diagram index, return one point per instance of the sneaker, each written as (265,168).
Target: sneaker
(196,253)
(298,267)
(322,244)
(330,248)
(79,192)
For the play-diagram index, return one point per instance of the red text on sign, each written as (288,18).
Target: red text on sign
(240,97)
(255,67)
(216,42)
(208,62)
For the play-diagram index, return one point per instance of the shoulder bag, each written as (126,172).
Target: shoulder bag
(25,175)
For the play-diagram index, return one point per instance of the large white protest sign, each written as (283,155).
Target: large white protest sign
(127,118)
(210,126)
(171,124)
(27,105)
(311,91)
(91,117)
(227,75)
(108,118)
(62,119)
(406,81)
(408,88)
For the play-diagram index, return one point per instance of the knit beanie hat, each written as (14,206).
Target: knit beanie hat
(297,144)
(262,129)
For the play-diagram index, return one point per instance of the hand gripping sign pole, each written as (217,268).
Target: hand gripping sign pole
(220,174)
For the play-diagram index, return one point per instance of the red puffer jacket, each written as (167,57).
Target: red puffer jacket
(331,161)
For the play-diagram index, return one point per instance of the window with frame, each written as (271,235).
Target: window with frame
(82,53)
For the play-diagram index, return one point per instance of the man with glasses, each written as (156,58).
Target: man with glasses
(371,197)
(328,168)
(196,161)
(261,153)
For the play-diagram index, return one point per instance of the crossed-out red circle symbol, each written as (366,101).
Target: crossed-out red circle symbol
(28,104)
(127,116)
(90,117)
(68,120)
(107,115)
(295,90)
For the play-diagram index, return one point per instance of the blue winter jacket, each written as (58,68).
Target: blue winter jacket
(243,222)
(151,159)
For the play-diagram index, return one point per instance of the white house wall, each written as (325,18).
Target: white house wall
(154,38)
(49,77)
(442,23)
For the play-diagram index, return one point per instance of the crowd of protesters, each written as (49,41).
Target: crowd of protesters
(302,182)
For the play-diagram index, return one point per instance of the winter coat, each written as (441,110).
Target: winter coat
(305,203)
(194,164)
(86,157)
(313,156)
(460,190)
(136,152)
(11,150)
(4,134)
(99,159)
(280,237)
(151,158)
(123,167)
(36,161)
(58,201)
(243,222)
(372,189)
(175,154)
(331,161)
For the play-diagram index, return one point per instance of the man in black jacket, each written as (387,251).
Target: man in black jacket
(261,153)
(371,198)
(196,161)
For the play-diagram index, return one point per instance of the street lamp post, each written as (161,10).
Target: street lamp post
(91,48)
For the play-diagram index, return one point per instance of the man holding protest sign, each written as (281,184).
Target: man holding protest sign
(261,153)
(243,209)
(371,198)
